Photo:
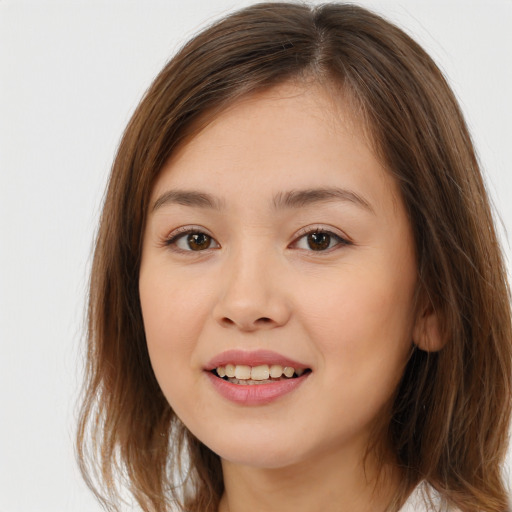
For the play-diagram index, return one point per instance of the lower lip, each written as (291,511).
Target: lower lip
(255,394)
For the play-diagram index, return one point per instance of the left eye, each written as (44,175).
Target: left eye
(319,241)
(193,241)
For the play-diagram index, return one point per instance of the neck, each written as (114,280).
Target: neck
(331,484)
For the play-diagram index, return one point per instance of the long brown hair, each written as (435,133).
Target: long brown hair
(451,412)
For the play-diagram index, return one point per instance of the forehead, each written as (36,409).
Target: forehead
(325,101)
(290,136)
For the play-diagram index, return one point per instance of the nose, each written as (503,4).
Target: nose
(252,295)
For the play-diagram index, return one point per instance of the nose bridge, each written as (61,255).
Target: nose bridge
(251,295)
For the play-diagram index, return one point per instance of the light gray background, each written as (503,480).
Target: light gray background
(71,73)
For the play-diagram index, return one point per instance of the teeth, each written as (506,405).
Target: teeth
(242,372)
(276,370)
(288,371)
(230,370)
(247,382)
(260,372)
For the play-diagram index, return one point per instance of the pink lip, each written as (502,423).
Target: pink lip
(254,358)
(256,394)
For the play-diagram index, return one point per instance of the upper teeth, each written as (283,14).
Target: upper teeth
(261,372)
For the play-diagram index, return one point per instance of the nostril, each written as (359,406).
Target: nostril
(263,322)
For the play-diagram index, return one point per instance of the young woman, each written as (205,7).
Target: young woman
(297,300)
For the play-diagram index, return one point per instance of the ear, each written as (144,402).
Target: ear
(426,332)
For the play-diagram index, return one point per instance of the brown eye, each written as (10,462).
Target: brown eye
(192,241)
(319,241)
(199,241)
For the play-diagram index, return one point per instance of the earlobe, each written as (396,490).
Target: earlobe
(427,330)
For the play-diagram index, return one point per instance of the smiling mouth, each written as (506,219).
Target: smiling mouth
(261,374)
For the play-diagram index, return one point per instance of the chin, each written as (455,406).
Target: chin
(254,451)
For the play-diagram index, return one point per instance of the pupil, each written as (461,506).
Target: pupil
(319,241)
(198,241)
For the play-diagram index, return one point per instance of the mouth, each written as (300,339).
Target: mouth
(246,375)
(256,378)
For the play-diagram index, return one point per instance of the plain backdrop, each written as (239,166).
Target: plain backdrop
(71,73)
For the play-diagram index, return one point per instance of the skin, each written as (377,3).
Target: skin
(347,312)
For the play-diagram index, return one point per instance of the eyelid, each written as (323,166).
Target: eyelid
(171,239)
(343,239)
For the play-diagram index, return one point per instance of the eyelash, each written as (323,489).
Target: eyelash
(176,235)
(305,232)
(182,232)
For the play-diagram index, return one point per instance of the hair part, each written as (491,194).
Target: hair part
(450,416)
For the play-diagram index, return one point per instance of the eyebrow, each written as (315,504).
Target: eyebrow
(292,199)
(302,198)
(188,198)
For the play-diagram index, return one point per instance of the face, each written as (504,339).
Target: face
(275,239)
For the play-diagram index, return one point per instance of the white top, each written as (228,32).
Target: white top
(417,502)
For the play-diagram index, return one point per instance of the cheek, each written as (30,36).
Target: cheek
(174,313)
(362,323)
(358,301)
(363,335)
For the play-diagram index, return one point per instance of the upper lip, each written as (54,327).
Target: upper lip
(252,358)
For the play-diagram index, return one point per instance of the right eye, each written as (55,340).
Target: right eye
(192,240)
